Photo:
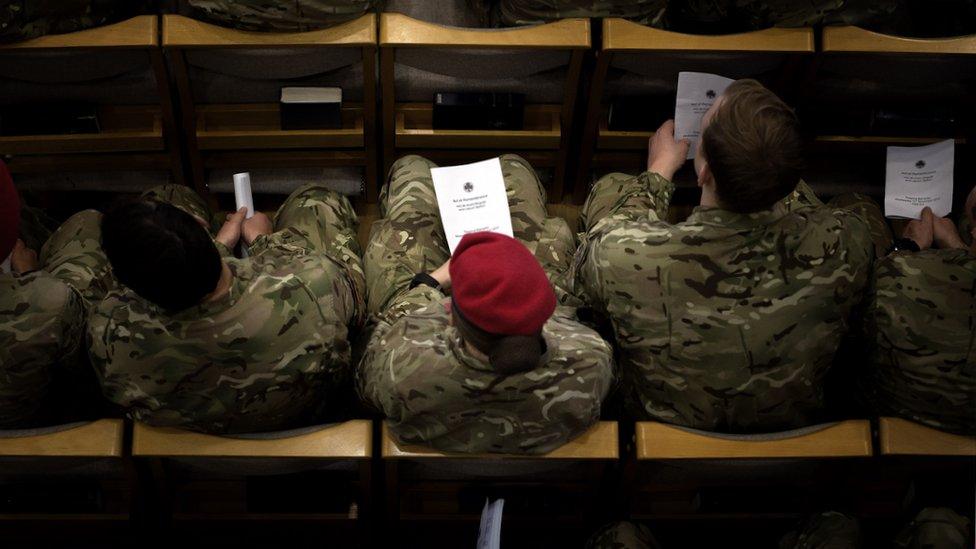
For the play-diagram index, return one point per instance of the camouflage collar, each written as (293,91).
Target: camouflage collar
(465,357)
(718,217)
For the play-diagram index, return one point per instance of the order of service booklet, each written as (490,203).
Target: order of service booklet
(916,177)
(697,92)
(471,198)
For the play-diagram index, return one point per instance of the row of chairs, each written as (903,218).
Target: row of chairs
(179,476)
(179,93)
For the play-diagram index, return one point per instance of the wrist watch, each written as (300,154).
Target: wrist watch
(424,278)
(903,245)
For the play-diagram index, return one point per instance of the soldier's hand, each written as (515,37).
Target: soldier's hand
(443,275)
(665,156)
(23,259)
(230,232)
(256,226)
(945,234)
(921,230)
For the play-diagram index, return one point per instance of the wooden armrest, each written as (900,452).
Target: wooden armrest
(900,437)
(184,32)
(349,440)
(398,30)
(623,35)
(102,438)
(599,442)
(138,32)
(850,438)
(856,39)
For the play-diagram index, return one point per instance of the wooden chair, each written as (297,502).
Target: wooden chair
(66,480)
(306,478)
(635,60)
(442,494)
(229,85)
(418,59)
(900,437)
(117,67)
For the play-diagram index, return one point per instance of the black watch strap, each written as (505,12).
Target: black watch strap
(904,244)
(424,278)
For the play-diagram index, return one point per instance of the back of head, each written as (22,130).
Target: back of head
(753,148)
(161,253)
(502,299)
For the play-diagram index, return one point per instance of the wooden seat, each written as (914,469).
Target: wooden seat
(662,54)
(135,134)
(549,122)
(658,441)
(900,437)
(102,438)
(241,134)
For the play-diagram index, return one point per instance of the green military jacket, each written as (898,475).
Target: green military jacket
(260,358)
(433,391)
(921,326)
(727,321)
(41,332)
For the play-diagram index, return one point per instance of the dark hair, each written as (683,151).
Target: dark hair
(507,354)
(161,252)
(753,147)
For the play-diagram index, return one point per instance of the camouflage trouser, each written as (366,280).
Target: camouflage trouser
(530,12)
(410,238)
(828,529)
(622,535)
(73,254)
(261,15)
(869,212)
(936,527)
(24,19)
(607,192)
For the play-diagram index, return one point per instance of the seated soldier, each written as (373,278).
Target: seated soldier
(198,339)
(261,15)
(44,374)
(25,19)
(730,320)
(498,367)
(530,12)
(920,325)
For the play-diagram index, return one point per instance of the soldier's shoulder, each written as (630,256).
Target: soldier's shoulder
(956,267)
(573,337)
(40,292)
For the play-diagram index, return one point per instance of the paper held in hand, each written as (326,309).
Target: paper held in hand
(697,91)
(471,198)
(917,177)
(490,532)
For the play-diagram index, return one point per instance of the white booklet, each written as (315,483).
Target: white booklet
(697,91)
(490,533)
(916,177)
(471,198)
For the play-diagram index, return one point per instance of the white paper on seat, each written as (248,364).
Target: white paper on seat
(471,198)
(916,177)
(697,92)
(490,534)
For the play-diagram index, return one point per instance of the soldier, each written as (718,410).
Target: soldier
(262,15)
(728,321)
(498,367)
(24,19)
(729,16)
(43,305)
(529,12)
(920,325)
(201,340)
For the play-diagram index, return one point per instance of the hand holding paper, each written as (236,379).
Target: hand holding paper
(697,92)
(471,198)
(916,177)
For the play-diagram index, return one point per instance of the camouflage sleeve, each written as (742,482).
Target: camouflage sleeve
(74,316)
(621,196)
(223,250)
(410,301)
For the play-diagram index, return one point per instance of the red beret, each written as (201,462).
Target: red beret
(499,286)
(9,213)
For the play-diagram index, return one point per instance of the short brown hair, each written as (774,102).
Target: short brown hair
(753,147)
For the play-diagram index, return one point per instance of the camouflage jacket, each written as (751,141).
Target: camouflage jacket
(921,326)
(262,357)
(725,322)
(41,332)
(269,16)
(529,12)
(434,392)
(24,19)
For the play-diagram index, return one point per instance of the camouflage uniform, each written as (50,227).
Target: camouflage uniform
(529,12)
(727,321)
(271,16)
(623,535)
(419,373)
(724,16)
(936,528)
(42,321)
(261,357)
(24,19)
(827,530)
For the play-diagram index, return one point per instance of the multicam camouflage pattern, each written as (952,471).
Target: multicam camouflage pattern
(419,373)
(870,213)
(263,356)
(24,19)
(74,255)
(271,16)
(920,327)
(723,16)
(623,535)
(936,527)
(725,322)
(827,530)
(531,12)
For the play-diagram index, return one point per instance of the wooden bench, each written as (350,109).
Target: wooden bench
(900,437)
